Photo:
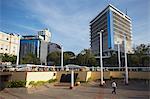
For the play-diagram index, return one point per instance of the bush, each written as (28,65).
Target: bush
(16,84)
(89,79)
(39,83)
(52,80)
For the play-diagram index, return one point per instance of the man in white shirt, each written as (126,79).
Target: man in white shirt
(114,86)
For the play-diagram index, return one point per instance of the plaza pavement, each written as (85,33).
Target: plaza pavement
(90,90)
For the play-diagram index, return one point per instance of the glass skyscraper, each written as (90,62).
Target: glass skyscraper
(35,45)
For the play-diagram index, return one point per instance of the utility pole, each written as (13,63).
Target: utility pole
(126,67)
(18,51)
(62,68)
(119,62)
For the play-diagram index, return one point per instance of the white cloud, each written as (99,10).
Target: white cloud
(71,28)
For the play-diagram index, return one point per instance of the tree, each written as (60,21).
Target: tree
(142,54)
(86,58)
(30,59)
(111,61)
(55,57)
(8,58)
(142,49)
(69,58)
(70,53)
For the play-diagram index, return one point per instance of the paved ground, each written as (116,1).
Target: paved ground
(91,90)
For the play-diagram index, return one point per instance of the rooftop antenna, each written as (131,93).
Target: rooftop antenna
(126,11)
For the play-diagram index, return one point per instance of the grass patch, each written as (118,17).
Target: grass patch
(40,83)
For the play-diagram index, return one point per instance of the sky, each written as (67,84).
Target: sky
(68,20)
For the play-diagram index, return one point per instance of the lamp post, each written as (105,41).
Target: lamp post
(62,68)
(101,61)
(126,67)
(18,50)
(119,62)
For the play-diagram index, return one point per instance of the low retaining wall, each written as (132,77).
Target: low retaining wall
(82,75)
(32,76)
(97,75)
(117,74)
(139,75)
(39,76)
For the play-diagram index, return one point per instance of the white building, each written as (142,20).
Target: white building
(46,34)
(9,43)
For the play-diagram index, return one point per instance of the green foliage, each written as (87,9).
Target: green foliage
(52,80)
(142,49)
(113,60)
(56,56)
(86,58)
(69,57)
(40,83)
(8,58)
(30,59)
(141,56)
(89,79)
(71,54)
(16,84)
(31,82)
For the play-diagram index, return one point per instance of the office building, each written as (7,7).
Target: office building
(116,26)
(35,45)
(9,43)
(46,34)
(52,47)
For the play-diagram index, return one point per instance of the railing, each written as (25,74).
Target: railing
(31,67)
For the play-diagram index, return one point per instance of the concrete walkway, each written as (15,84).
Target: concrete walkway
(91,90)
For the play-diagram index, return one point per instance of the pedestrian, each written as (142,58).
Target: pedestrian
(114,86)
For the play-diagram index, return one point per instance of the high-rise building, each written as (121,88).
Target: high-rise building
(35,45)
(9,43)
(46,34)
(116,26)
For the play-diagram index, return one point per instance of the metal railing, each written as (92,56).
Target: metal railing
(32,67)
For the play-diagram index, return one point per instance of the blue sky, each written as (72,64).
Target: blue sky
(68,20)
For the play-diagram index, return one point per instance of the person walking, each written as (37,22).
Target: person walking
(114,86)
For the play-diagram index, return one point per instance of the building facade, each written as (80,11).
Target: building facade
(35,45)
(46,34)
(9,43)
(117,27)
(52,47)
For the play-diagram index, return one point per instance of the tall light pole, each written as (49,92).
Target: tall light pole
(18,51)
(119,62)
(62,68)
(126,67)
(101,61)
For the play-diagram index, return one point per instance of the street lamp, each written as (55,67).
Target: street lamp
(126,67)
(62,68)
(118,44)
(101,61)
(18,50)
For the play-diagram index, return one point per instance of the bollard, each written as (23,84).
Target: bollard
(72,79)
